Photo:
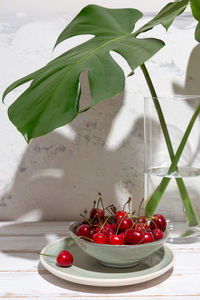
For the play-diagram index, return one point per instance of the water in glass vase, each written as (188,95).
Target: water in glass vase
(171,203)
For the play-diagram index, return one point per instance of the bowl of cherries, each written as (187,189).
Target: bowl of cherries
(117,238)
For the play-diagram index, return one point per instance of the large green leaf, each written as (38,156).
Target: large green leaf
(197,33)
(195,6)
(52,99)
(166,16)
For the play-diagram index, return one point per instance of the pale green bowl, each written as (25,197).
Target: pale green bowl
(121,256)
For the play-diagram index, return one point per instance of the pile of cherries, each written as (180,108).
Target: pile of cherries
(117,228)
(120,227)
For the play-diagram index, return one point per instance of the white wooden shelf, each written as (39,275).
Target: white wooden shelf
(22,276)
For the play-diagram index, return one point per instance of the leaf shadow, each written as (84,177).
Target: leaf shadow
(59,175)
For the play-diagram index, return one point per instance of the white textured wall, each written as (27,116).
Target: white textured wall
(56,176)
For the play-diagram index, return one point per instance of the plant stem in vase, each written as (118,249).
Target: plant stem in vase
(160,164)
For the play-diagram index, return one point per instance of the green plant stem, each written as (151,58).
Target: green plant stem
(154,199)
(157,194)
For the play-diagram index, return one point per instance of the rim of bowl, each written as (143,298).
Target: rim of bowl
(166,233)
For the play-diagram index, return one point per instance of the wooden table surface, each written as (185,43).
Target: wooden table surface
(22,275)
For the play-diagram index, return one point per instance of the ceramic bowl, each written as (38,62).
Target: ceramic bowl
(118,256)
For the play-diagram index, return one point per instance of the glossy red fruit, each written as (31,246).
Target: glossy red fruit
(107,227)
(98,229)
(122,233)
(142,220)
(148,237)
(109,233)
(116,240)
(100,238)
(133,236)
(158,221)
(103,228)
(96,213)
(84,230)
(114,226)
(158,234)
(83,222)
(92,231)
(126,223)
(64,259)
(147,226)
(96,224)
(138,226)
(120,214)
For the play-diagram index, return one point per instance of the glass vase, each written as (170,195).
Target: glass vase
(173,189)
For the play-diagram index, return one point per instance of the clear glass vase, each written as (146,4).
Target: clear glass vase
(173,189)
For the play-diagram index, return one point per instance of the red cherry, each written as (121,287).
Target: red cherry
(92,231)
(83,222)
(64,259)
(123,234)
(96,224)
(126,223)
(84,231)
(103,229)
(96,214)
(114,226)
(107,227)
(138,226)
(120,214)
(109,233)
(158,221)
(116,240)
(142,220)
(97,229)
(133,236)
(147,226)
(158,234)
(148,237)
(100,238)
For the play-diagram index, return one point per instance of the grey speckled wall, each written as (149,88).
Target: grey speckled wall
(57,176)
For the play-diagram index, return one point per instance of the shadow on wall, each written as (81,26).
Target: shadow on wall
(58,178)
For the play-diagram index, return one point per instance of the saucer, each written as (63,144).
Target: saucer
(86,270)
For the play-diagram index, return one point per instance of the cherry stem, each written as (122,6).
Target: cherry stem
(105,222)
(110,211)
(117,230)
(79,237)
(86,219)
(96,215)
(133,224)
(94,204)
(134,211)
(127,202)
(154,222)
(101,200)
(129,205)
(140,205)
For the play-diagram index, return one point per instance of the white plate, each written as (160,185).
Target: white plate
(86,270)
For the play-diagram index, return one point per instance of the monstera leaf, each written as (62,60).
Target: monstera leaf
(195,7)
(166,16)
(52,99)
